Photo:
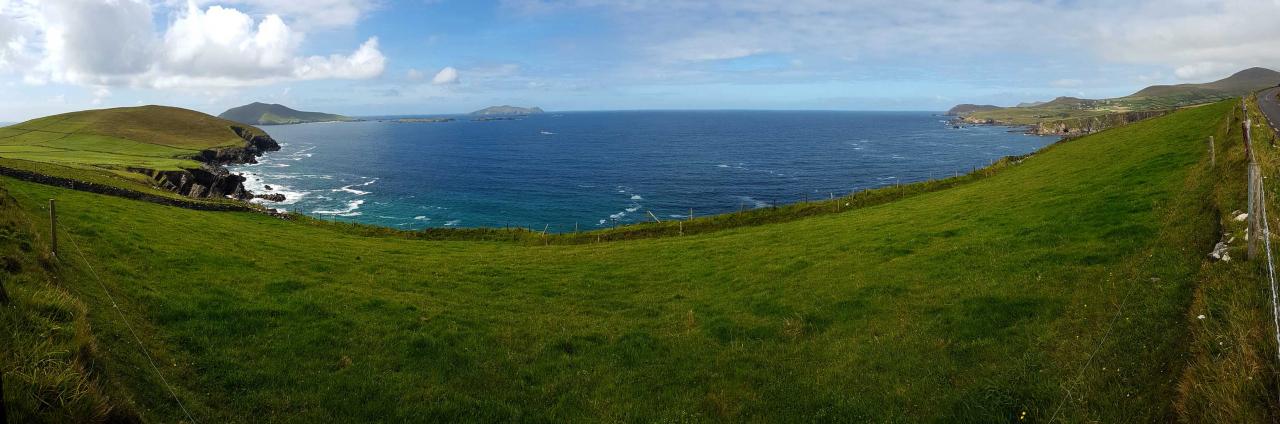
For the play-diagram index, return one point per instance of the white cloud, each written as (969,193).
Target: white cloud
(1197,37)
(448,75)
(1202,70)
(414,75)
(309,14)
(100,94)
(113,43)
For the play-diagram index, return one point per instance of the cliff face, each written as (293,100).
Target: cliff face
(1089,125)
(213,180)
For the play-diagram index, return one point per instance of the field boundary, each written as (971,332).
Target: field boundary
(1259,227)
(78,185)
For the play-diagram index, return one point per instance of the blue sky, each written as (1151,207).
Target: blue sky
(363,57)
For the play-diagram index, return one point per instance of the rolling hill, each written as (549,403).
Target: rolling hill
(1075,114)
(156,150)
(274,114)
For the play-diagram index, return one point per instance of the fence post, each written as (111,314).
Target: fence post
(53,228)
(1213,153)
(1252,232)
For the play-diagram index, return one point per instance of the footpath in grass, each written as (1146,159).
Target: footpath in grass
(1057,288)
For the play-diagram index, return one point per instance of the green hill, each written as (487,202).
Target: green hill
(1061,286)
(1067,112)
(965,109)
(274,114)
(156,150)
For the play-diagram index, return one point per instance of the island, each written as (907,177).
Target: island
(505,110)
(275,114)
(422,120)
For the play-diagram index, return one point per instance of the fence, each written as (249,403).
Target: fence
(1259,231)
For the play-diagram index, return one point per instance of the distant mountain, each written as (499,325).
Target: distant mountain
(965,109)
(1240,83)
(273,114)
(507,110)
(1030,104)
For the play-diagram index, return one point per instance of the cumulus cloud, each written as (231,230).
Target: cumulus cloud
(448,75)
(310,14)
(114,43)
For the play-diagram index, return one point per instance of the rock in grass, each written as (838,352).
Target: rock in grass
(1242,217)
(1220,252)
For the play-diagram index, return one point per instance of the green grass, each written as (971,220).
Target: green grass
(1230,375)
(104,144)
(1059,285)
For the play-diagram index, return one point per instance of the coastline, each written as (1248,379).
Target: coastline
(343,205)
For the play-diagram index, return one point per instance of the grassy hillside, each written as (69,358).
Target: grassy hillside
(274,114)
(1058,288)
(100,145)
(1068,110)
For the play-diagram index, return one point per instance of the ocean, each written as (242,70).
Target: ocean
(600,169)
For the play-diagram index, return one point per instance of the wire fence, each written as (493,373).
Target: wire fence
(55,228)
(1259,232)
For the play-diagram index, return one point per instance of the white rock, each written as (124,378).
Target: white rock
(1242,217)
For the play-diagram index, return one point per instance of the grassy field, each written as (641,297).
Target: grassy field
(1061,287)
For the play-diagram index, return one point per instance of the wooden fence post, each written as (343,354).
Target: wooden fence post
(1253,211)
(53,228)
(1213,153)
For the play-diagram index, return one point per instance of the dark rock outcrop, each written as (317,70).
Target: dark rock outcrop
(111,190)
(213,179)
(274,197)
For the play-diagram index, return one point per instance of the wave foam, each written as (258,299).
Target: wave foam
(350,210)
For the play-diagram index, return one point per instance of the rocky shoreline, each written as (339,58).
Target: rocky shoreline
(1068,126)
(213,180)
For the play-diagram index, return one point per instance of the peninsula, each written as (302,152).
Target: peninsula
(275,114)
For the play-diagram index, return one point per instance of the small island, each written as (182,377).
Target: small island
(275,114)
(505,110)
(422,120)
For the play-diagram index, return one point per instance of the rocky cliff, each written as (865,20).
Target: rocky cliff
(213,179)
(1093,124)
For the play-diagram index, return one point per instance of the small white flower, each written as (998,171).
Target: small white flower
(1200,317)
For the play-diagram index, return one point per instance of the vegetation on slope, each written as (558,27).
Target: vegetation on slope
(274,114)
(1055,289)
(1230,374)
(133,148)
(1068,111)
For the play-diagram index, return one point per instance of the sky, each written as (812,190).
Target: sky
(384,57)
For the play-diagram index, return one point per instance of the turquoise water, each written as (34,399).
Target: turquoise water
(599,169)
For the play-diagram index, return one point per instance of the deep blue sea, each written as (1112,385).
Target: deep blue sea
(599,169)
